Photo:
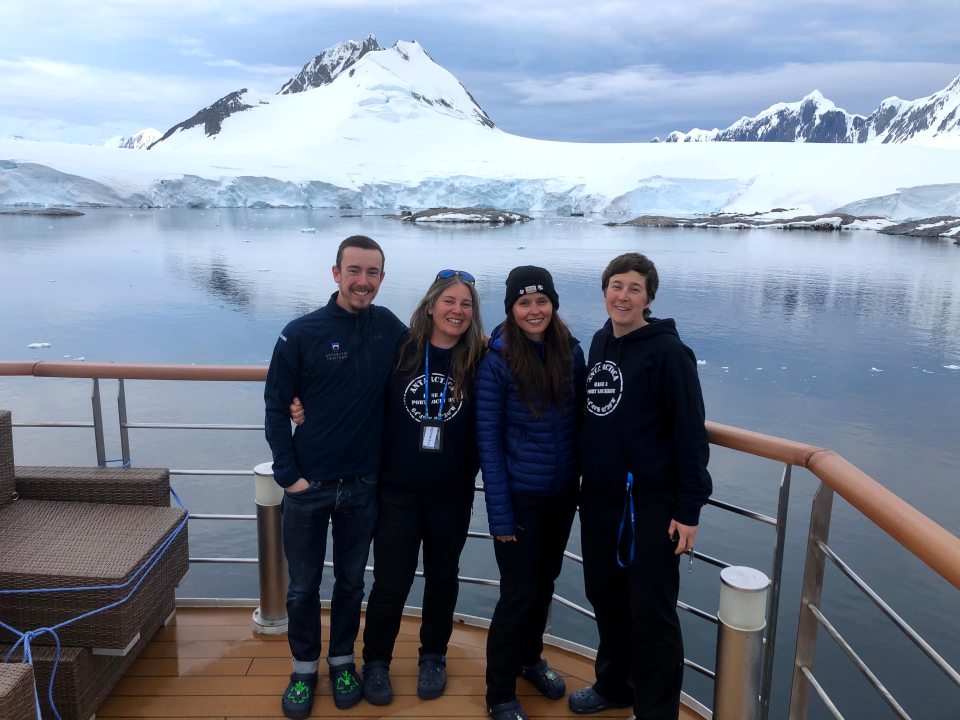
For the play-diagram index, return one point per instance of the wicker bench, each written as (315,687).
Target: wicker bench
(16,692)
(86,528)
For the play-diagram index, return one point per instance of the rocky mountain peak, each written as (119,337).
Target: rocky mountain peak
(816,119)
(326,66)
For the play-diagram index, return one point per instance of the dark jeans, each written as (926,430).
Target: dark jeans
(640,655)
(440,521)
(351,505)
(528,569)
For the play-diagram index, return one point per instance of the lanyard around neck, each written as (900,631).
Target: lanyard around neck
(627,507)
(426,387)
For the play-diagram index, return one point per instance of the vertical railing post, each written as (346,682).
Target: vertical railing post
(271,617)
(773,608)
(743,617)
(810,595)
(98,424)
(122,416)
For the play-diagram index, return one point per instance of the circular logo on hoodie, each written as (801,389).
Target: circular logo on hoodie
(413,398)
(604,388)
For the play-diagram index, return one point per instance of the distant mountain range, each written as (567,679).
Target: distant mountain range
(342,81)
(141,141)
(815,119)
(361,80)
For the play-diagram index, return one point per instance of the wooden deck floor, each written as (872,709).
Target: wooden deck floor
(209,664)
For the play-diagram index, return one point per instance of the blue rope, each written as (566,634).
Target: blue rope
(24,638)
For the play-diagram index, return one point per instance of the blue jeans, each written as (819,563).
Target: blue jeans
(351,505)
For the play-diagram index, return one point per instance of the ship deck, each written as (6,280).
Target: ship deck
(208,663)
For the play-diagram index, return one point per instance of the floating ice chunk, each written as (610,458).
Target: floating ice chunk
(66,357)
(37,346)
(308,230)
(951,367)
(81,358)
(264,270)
(759,368)
(701,362)
(873,369)
(783,367)
(724,367)
(928,372)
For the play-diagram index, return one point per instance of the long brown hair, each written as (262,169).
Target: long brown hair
(541,383)
(464,356)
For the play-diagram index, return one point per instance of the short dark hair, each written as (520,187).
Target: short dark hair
(633,261)
(362,242)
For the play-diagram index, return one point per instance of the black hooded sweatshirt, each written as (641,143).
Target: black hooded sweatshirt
(644,414)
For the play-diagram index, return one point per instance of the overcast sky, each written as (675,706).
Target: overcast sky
(581,70)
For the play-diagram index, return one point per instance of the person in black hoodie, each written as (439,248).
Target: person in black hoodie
(430,464)
(427,476)
(644,452)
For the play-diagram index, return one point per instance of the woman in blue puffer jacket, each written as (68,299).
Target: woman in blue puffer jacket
(529,397)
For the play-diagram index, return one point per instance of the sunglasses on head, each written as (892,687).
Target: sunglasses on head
(447,274)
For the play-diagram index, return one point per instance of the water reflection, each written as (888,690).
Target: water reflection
(838,340)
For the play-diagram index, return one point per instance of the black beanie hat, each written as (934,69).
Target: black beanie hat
(528,279)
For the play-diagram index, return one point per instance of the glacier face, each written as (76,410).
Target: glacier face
(33,185)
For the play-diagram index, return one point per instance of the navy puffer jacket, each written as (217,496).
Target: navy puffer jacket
(519,452)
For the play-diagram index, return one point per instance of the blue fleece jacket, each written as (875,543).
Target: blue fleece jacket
(337,363)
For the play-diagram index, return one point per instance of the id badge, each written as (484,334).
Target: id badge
(431,436)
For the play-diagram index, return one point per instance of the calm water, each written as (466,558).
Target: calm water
(836,340)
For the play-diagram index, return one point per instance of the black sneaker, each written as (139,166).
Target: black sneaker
(587,700)
(347,685)
(377,689)
(509,710)
(297,700)
(545,679)
(432,676)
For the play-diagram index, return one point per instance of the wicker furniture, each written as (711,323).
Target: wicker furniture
(16,692)
(90,528)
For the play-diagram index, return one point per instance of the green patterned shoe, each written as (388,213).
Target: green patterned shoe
(347,685)
(297,700)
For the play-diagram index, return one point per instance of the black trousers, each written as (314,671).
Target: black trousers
(528,569)
(440,522)
(640,656)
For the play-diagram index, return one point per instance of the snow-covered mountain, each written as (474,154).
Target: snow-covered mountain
(366,128)
(344,83)
(932,120)
(140,141)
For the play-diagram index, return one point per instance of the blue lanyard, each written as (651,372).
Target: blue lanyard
(426,387)
(627,503)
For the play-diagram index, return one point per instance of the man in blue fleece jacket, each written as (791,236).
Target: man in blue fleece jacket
(336,360)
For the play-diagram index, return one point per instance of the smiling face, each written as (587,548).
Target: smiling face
(452,314)
(358,276)
(532,314)
(625,299)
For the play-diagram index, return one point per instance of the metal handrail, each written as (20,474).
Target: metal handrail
(936,546)
(933,544)
(925,539)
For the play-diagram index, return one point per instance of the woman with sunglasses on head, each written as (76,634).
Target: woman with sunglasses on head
(529,396)
(426,485)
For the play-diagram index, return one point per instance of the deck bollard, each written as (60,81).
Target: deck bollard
(743,617)
(271,617)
